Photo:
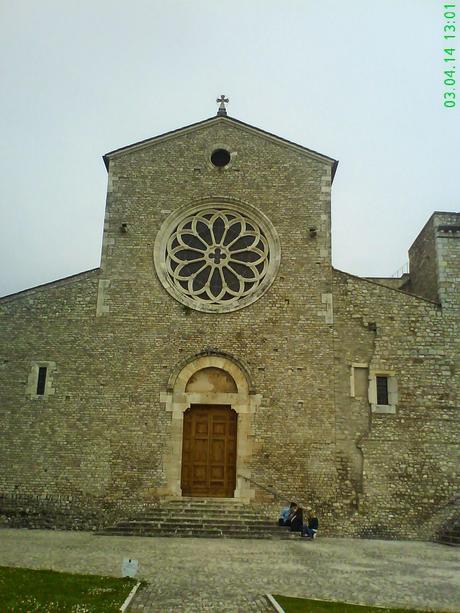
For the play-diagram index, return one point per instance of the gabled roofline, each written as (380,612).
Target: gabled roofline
(392,289)
(215,119)
(56,282)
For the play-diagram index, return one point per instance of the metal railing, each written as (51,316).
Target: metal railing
(270,490)
(404,269)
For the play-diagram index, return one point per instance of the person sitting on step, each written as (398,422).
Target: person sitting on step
(296,522)
(310,529)
(285,515)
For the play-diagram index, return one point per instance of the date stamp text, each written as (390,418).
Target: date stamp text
(449,55)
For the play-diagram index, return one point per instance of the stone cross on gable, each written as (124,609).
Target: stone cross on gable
(222,101)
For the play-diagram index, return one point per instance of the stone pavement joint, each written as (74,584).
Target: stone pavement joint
(232,575)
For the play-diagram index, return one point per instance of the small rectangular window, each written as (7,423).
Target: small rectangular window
(382,390)
(41,380)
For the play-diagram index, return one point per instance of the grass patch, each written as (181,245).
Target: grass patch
(45,591)
(304,605)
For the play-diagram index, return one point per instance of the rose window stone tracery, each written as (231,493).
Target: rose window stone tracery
(217,258)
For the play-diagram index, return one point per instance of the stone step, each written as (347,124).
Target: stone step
(453,533)
(208,508)
(254,523)
(199,518)
(203,519)
(184,527)
(227,510)
(251,523)
(204,507)
(198,512)
(449,539)
(203,501)
(175,528)
(186,535)
(202,534)
(450,535)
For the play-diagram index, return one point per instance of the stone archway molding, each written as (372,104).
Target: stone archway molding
(181,371)
(176,401)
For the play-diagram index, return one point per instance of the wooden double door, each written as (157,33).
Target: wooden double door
(209,451)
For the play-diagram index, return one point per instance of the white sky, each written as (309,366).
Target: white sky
(359,81)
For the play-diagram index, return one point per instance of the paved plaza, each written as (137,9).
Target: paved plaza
(193,575)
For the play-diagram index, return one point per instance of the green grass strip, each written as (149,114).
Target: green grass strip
(305,605)
(45,591)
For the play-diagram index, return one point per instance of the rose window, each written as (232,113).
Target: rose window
(216,259)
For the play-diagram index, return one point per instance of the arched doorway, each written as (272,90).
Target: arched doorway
(209,451)
(219,390)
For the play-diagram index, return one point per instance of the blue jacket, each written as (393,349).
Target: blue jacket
(284,513)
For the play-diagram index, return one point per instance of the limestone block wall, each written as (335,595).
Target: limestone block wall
(284,338)
(115,337)
(423,264)
(46,440)
(84,442)
(106,434)
(402,465)
(447,229)
(435,260)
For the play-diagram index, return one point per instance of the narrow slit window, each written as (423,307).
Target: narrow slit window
(41,381)
(382,390)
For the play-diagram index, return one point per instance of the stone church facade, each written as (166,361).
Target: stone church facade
(217,353)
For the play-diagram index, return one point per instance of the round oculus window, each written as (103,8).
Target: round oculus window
(217,258)
(220,157)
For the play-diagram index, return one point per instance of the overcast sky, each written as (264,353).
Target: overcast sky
(356,80)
